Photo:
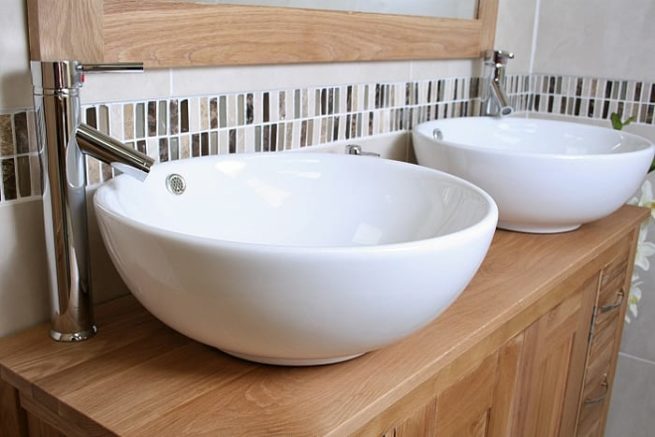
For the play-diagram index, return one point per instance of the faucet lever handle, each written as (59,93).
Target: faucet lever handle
(121,67)
(354,149)
(504,54)
(498,56)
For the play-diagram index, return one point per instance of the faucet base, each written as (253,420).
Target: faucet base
(69,337)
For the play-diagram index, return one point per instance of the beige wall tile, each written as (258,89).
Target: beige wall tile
(15,79)
(121,87)
(194,81)
(632,405)
(514,32)
(23,281)
(604,38)
(394,145)
(426,70)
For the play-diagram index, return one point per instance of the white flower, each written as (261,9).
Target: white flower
(633,298)
(645,200)
(645,249)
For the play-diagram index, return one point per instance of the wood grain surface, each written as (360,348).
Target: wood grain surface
(65,30)
(169,33)
(605,341)
(13,420)
(137,377)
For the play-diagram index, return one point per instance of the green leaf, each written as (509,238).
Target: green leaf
(616,121)
(629,120)
(619,125)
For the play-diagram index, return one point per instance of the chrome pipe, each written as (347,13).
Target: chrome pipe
(57,106)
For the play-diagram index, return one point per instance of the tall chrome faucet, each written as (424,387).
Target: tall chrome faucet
(63,140)
(494,98)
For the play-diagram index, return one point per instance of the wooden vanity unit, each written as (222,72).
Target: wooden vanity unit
(529,349)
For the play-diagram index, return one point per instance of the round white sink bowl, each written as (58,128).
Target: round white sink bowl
(296,258)
(546,176)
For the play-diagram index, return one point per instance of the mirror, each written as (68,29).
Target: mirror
(464,9)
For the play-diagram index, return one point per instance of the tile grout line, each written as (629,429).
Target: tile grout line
(535,35)
(642,360)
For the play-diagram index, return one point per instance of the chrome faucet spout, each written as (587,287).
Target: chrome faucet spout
(495,100)
(502,101)
(109,150)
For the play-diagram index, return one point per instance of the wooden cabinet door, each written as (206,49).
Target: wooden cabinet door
(478,404)
(551,367)
(605,341)
(462,409)
(530,386)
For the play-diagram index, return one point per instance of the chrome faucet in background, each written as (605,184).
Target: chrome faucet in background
(354,149)
(64,140)
(494,98)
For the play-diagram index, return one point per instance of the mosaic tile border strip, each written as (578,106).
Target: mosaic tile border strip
(594,98)
(176,128)
(20,168)
(182,127)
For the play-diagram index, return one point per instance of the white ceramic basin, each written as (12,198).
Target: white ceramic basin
(296,258)
(546,176)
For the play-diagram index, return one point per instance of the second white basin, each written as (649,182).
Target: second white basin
(293,258)
(546,176)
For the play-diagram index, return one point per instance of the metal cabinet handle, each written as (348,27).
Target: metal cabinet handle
(619,300)
(606,387)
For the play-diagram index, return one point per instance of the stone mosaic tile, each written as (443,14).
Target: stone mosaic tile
(279,120)
(6,136)
(139,120)
(20,170)
(8,168)
(20,133)
(152,119)
(24,176)
(593,97)
(35,175)
(275,120)
(128,121)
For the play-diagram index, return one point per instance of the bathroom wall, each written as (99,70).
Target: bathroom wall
(191,112)
(601,53)
(595,58)
(587,60)
(23,296)
(603,38)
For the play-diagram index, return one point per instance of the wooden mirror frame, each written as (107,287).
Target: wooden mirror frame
(170,33)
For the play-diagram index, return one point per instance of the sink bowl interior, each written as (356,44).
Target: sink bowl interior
(545,175)
(307,201)
(537,137)
(296,259)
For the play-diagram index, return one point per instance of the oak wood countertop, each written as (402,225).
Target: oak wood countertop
(138,377)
